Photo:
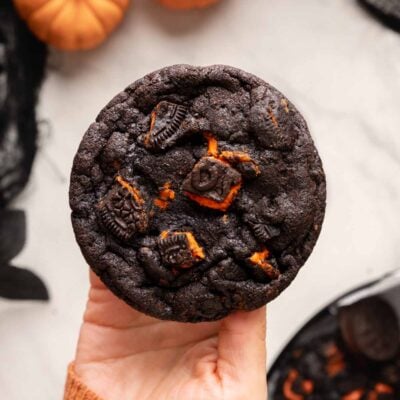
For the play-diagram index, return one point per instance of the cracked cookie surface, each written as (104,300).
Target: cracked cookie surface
(198,191)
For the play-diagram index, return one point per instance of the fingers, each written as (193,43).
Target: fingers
(105,309)
(241,344)
(95,281)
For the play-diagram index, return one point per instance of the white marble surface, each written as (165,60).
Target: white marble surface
(342,70)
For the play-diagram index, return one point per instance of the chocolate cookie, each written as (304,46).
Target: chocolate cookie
(197,192)
(370,327)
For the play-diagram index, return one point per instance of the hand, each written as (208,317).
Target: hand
(125,355)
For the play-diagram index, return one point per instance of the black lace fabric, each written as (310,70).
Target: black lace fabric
(22,64)
(387,11)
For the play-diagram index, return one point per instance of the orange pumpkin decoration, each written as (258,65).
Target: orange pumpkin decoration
(187,4)
(72,24)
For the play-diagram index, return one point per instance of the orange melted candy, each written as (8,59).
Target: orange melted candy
(260,259)
(131,189)
(166,195)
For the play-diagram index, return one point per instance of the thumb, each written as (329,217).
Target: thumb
(241,345)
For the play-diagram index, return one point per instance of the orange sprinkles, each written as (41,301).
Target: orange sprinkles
(212,144)
(197,251)
(260,259)
(308,386)
(153,118)
(166,195)
(131,189)
(195,248)
(288,386)
(222,206)
(273,118)
(382,388)
(336,362)
(354,395)
(228,158)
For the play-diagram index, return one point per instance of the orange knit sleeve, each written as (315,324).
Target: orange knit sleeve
(75,389)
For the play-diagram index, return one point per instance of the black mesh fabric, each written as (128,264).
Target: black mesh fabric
(387,11)
(22,64)
(22,60)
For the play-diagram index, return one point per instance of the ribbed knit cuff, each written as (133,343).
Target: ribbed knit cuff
(75,389)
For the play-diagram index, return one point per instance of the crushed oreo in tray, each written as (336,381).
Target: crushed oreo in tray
(350,354)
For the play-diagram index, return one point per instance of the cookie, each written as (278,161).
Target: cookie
(198,191)
(388,11)
(370,327)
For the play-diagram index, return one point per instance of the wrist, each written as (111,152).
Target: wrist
(75,388)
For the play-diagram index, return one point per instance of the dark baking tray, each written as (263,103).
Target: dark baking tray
(324,322)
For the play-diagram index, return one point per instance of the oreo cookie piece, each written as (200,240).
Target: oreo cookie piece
(388,11)
(198,191)
(370,327)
